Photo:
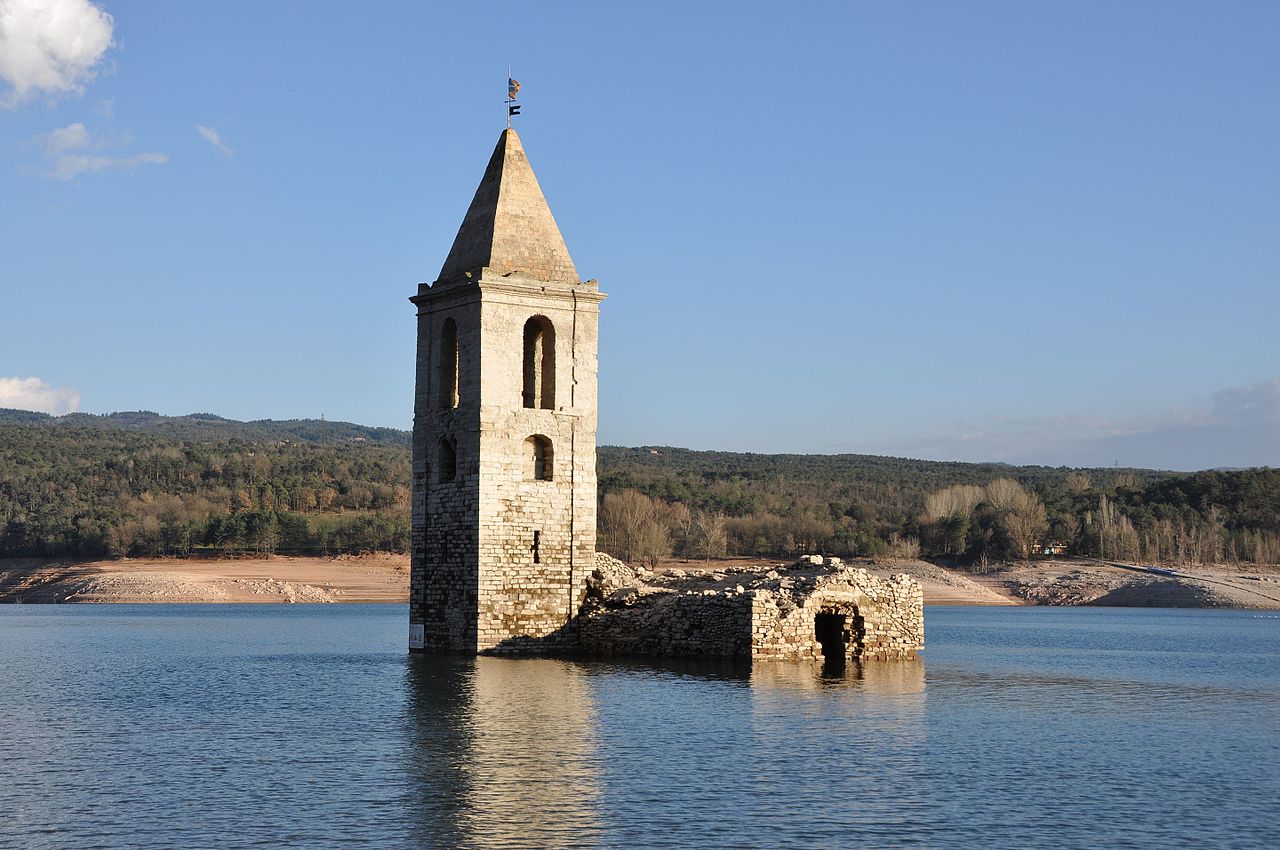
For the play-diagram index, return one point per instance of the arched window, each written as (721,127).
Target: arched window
(447,460)
(449,364)
(538,459)
(539,363)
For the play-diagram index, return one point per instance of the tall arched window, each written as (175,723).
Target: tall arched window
(539,363)
(449,364)
(538,459)
(447,460)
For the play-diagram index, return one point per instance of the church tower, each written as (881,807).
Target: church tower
(504,428)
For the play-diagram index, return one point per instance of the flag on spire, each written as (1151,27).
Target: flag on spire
(513,86)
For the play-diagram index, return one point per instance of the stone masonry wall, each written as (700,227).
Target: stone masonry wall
(475,584)
(443,589)
(885,617)
(769,615)
(521,598)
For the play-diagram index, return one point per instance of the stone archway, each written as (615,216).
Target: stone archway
(839,631)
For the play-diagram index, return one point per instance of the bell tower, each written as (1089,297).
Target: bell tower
(504,428)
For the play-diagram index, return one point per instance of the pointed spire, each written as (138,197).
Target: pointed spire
(509,226)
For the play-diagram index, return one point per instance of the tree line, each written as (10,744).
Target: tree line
(138,485)
(93,492)
(659,501)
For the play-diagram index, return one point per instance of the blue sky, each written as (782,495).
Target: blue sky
(1044,233)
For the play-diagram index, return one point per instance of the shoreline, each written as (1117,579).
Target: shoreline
(281,579)
(275,579)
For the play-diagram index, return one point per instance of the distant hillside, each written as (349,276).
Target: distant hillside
(143,484)
(737,483)
(204,427)
(720,502)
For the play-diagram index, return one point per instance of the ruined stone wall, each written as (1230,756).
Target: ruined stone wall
(884,618)
(773,615)
(693,625)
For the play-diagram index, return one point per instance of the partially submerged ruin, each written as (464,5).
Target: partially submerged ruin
(815,609)
(504,479)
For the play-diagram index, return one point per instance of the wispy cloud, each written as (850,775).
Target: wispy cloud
(1248,404)
(50,46)
(1236,426)
(35,394)
(68,166)
(69,138)
(214,138)
(64,158)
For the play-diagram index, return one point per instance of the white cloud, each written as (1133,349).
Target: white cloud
(50,46)
(214,138)
(69,138)
(70,165)
(35,394)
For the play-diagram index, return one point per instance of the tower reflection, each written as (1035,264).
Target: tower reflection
(505,752)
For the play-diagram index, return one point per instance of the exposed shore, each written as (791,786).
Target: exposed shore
(365,578)
(385,578)
(1071,582)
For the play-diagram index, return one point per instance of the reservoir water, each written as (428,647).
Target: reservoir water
(310,726)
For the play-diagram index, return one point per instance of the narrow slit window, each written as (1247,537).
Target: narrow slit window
(448,460)
(539,363)
(538,458)
(449,364)
(536,548)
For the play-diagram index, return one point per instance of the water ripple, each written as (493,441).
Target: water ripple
(246,727)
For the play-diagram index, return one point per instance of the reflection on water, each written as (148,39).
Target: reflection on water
(504,752)
(229,726)
(883,678)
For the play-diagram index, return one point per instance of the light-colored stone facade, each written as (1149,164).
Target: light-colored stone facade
(504,509)
(818,609)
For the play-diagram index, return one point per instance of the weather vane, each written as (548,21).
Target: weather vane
(513,88)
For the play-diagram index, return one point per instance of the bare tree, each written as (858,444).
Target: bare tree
(1078,482)
(1005,494)
(681,522)
(633,527)
(712,535)
(956,500)
(1025,522)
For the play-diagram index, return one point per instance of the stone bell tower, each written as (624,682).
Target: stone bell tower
(504,428)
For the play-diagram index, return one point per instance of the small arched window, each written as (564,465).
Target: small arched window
(447,460)
(538,458)
(539,363)
(448,382)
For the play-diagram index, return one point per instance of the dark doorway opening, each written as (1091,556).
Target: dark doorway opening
(829,630)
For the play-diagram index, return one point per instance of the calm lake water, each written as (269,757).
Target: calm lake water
(243,726)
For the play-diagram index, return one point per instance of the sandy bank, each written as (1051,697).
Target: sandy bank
(365,578)
(385,578)
(1063,582)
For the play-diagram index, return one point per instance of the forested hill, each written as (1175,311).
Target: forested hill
(144,484)
(740,483)
(204,427)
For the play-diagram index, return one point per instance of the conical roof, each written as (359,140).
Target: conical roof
(509,226)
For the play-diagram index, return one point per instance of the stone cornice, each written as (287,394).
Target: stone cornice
(460,287)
